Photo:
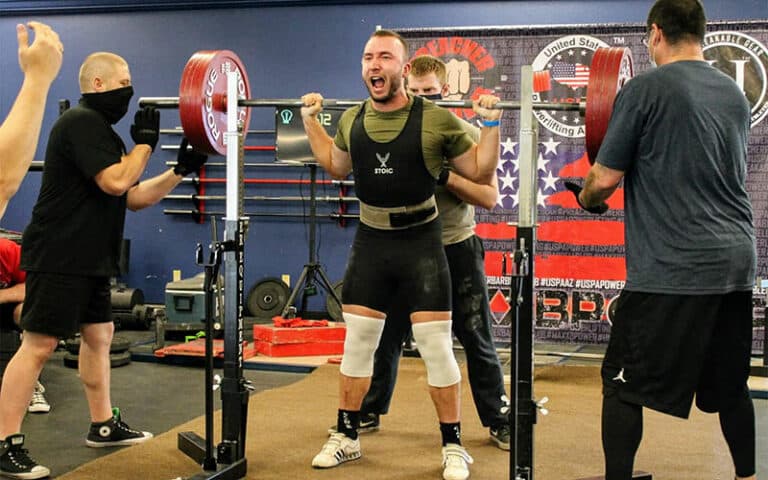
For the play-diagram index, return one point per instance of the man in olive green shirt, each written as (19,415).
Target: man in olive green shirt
(395,144)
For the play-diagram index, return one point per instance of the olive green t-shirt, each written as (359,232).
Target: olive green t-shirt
(442,134)
(456,215)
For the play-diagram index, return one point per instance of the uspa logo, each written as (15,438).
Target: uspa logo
(568,60)
(744,59)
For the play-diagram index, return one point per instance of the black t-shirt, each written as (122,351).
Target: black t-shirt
(76,227)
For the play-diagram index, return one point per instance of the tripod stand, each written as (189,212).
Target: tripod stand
(312,270)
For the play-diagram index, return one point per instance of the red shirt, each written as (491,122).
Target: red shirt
(10,261)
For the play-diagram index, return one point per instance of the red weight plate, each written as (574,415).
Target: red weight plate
(201,103)
(594,108)
(607,92)
(202,99)
(541,81)
(191,76)
(192,104)
(611,68)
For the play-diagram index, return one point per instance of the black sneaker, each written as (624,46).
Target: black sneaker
(114,432)
(15,461)
(500,436)
(369,422)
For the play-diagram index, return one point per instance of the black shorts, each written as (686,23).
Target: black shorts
(405,266)
(6,316)
(58,305)
(666,348)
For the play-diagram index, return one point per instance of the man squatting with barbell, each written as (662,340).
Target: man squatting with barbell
(71,248)
(471,322)
(683,323)
(396,144)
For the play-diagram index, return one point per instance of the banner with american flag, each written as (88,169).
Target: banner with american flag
(573,75)
(579,261)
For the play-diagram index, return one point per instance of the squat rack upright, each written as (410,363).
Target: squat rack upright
(229,462)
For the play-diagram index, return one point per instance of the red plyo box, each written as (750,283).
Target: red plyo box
(334,332)
(299,349)
(275,341)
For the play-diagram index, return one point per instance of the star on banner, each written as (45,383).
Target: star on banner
(542,162)
(540,197)
(515,198)
(550,181)
(550,146)
(507,181)
(508,146)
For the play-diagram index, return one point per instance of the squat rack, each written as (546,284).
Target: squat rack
(229,462)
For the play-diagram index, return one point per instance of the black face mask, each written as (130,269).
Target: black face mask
(113,104)
(433,96)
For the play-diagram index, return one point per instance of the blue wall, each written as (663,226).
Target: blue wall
(288,51)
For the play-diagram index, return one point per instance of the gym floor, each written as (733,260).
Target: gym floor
(157,397)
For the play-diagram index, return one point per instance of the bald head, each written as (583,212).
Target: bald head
(103,71)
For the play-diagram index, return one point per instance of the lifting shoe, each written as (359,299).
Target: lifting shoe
(456,462)
(338,449)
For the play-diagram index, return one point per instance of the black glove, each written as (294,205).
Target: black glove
(146,127)
(576,189)
(442,179)
(188,161)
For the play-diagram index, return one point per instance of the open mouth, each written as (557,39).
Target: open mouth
(377,82)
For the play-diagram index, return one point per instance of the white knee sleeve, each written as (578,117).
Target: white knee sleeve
(435,343)
(362,338)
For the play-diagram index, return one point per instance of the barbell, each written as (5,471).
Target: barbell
(202,100)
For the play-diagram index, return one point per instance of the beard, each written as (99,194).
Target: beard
(394,88)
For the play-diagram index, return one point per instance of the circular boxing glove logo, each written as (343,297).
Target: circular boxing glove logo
(471,68)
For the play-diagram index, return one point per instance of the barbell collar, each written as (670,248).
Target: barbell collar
(173,102)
